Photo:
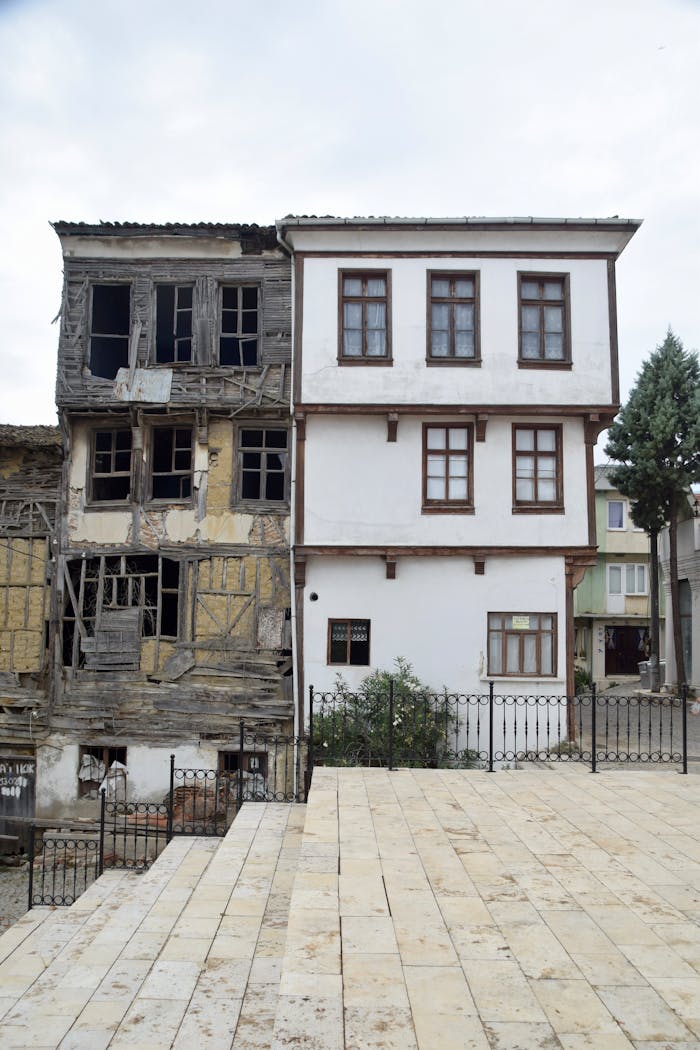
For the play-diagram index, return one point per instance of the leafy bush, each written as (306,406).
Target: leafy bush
(582,680)
(354,728)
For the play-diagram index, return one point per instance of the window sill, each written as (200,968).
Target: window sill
(373,362)
(261,507)
(539,508)
(163,504)
(452,362)
(447,509)
(560,365)
(100,505)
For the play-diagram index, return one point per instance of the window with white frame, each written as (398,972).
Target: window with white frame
(627,579)
(616,514)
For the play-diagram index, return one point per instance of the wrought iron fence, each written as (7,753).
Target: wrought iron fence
(61,867)
(434,730)
(134,834)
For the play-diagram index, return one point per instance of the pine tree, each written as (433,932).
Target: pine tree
(656,441)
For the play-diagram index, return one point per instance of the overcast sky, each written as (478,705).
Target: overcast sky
(224,111)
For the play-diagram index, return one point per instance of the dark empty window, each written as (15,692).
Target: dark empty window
(262,464)
(173,323)
(348,642)
(171,474)
(238,340)
(109,329)
(110,479)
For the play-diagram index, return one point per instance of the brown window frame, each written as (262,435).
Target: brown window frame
(541,361)
(348,662)
(555,506)
(262,501)
(119,340)
(452,358)
(447,505)
(95,475)
(364,275)
(538,632)
(174,471)
(178,287)
(240,287)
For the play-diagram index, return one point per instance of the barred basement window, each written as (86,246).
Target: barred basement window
(173,323)
(348,642)
(522,644)
(110,320)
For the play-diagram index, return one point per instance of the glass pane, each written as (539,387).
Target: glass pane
(251,460)
(276,438)
(437,437)
(495,620)
(458,466)
(547,467)
(615,579)
(553,347)
(512,654)
(530,290)
(495,666)
(376,343)
(439,343)
(440,287)
(457,489)
(440,316)
(524,490)
(435,488)
(376,315)
(553,317)
(436,467)
(352,343)
(530,654)
(359,631)
(252,438)
(464,318)
(458,437)
(464,287)
(352,286)
(546,654)
(553,290)
(103,463)
(184,297)
(641,579)
(525,467)
(339,632)
(615,514)
(352,315)
(524,439)
(250,298)
(546,623)
(376,287)
(530,318)
(122,461)
(631,579)
(229,298)
(103,440)
(546,491)
(464,344)
(530,346)
(546,440)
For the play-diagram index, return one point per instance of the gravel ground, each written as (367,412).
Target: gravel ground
(14,886)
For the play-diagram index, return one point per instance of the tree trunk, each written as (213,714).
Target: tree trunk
(654,610)
(675,596)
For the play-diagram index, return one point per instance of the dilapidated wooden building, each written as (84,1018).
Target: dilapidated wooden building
(172,566)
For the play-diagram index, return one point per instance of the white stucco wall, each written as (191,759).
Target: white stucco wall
(434,614)
(363,489)
(498,379)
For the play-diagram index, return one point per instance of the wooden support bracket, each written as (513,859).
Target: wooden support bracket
(392,426)
(481,421)
(390,568)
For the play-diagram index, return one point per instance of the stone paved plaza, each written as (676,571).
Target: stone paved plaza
(450,910)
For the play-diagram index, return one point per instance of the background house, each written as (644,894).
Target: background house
(451,377)
(173,566)
(689,594)
(612,600)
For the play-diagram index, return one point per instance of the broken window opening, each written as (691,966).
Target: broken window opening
(238,339)
(173,323)
(110,475)
(171,467)
(95,761)
(262,464)
(120,600)
(109,329)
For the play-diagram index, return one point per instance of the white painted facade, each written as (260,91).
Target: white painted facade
(360,517)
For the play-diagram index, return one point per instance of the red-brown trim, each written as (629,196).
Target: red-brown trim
(525,674)
(447,254)
(480,552)
(300,475)
(392,426)
(612,320)
(414,408)
(298,327)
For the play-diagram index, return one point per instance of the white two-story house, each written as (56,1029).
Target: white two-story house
(450,380)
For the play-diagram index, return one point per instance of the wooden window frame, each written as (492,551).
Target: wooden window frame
(521,633)
(452,358)
(535,506)
(449,506)
(120,337)
(364,276)
(348,662)
(240,287)
(175,361)
(165,500)
(93,474)
(541,361)
(263,503)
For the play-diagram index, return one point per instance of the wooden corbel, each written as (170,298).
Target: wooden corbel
(390,567)
(479,566)
(392,426)
(481,421)
(299,571)
(300,420)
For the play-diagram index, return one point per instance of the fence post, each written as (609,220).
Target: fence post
(391,723)
(171,800)
(594,705)
(490,727)
(31,866)
(101,855)
(309,744)
(684,723)
(241,735)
